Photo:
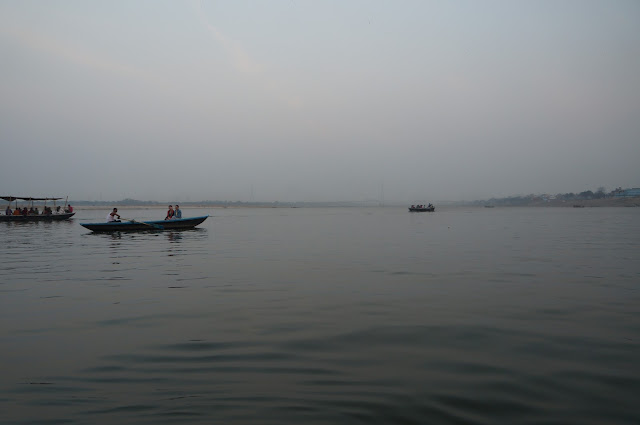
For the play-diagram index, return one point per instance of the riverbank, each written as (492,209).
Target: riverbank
(164,207)
(605,202)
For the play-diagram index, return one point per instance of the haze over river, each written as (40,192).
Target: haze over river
(325,316)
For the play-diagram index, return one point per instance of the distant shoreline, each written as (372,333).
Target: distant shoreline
(554,203)
(161,207)
(605,202)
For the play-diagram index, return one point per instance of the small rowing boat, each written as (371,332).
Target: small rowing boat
(134,226)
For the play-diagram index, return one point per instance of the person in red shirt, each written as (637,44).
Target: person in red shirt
(169,213)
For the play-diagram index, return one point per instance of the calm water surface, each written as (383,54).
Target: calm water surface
(325,316)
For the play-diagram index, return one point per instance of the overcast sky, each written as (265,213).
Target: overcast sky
(318,100)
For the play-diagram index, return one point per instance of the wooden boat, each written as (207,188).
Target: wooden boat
(423,209)
(52,216)
(41,217)
(136,226)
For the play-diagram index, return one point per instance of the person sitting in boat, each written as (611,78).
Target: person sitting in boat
(170,213)
(25,211)
(18,211)
(8,211)
(178,212)
(112,216)
(69,209)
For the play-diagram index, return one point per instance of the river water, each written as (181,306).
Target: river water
(325,316)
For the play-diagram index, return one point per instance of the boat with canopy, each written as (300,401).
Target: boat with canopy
(30,212)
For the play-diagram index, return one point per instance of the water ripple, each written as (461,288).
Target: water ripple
(314,316)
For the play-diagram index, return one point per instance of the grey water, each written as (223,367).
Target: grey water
(325,316)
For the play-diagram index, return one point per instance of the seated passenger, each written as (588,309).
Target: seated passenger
(170,213)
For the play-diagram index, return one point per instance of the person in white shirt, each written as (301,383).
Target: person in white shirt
(112,216)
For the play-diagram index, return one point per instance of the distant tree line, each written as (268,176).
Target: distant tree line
(127,201)
(600,193)
(137,202)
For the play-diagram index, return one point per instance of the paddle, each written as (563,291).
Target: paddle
(155,226)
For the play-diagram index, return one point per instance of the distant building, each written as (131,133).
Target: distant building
(627,193)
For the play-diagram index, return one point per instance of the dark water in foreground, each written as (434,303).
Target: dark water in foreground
(325,316)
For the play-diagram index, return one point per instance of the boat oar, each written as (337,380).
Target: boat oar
(155,226)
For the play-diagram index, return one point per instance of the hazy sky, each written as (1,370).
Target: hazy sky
(318,100)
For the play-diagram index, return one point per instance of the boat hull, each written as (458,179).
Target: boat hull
(432,209)
(24,218)
(137,226)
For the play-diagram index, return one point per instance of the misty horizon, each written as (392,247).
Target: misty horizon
(597,193)
(318,101)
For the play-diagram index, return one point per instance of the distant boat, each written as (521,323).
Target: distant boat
(33,214)
(134,225)
(429,208)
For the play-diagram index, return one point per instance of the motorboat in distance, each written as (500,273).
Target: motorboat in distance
(421,208)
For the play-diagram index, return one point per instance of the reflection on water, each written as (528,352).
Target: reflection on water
(174,236)
(325,316)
